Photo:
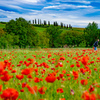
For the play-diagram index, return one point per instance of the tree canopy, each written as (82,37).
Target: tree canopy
(23,29)
(91,33)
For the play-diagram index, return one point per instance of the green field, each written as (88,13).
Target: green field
(2,25)
(40,29)
(50,74)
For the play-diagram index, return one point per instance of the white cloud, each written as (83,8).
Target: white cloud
(48,7)
(29,1)
(14,6)
(64,6)
(84,6)
(85,2)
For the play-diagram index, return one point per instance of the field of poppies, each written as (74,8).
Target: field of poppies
(50,74)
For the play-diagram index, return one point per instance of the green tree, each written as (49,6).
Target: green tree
(23,29)
(91,33)
(54,32)
(71,38)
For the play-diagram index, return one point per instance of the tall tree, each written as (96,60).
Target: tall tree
(45,23)
(91,33)
(38,22)
(49,23)
(61,25)
(67,26)
(35,21)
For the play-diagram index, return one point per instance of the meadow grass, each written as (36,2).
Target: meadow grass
(2,25)
(67,86)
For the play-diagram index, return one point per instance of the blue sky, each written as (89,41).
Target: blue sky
(78,13)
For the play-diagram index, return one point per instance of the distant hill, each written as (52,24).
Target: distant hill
(41,29)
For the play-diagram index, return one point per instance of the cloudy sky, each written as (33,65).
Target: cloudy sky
(78,13)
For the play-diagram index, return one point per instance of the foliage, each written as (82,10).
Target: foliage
(42,40)
(23,29)
(91,33)
(54,33)
(22,33)
(1,32)
(71,38)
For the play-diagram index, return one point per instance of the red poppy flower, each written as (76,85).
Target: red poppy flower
(82,70)
(30,76)
(19,77)
(60,90)
(22,90)
(62,58)
(0,88)
(93,97)
(36,80)
(84,60)
(50,78)
(24,85)
(9,94)
(26,71)
(91,89)
(42,90)
(61,75)
(78,65)
(13,71)
(1,66)
(75,74)
(86,96)
(84,82)
(62,99)
(6,77)
(72,65)
(64,71)
(49,55)
(67,74)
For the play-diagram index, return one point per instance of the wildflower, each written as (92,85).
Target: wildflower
(42,90)
(78,65)
(75,74)
(84,60)
(84,82)
(86,96)
(0,87)
(49,55)
(36,80)
(72,65)
(19,77)
(26,71)
(60,90)
(72,92)
(6,77)
(9,94)
(22,90)
(62,58)
(91,89)
(50,78)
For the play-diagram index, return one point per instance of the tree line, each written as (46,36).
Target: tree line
(20,33)
(45,23)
